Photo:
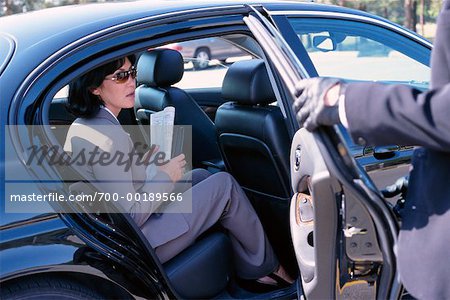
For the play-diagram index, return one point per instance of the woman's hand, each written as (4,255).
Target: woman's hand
(175,167)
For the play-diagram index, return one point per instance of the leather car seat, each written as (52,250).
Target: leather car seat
(201,271)
(252,134)
(158,70)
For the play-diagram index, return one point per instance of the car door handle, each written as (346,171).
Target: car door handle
(385,152)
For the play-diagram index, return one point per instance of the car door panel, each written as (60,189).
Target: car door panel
(349,215)
(314,241)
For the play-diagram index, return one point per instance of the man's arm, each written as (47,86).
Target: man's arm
(396,114)
(377,114)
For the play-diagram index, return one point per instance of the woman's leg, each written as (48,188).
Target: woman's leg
(190,179)
(220,198)
(198,175)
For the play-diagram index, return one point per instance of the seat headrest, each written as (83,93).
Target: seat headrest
(160,67)
(247,82)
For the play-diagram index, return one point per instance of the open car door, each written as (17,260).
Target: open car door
(344,232)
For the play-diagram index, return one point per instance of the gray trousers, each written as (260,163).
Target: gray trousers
(219,198)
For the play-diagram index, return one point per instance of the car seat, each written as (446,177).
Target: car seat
(252,133)
(158,70)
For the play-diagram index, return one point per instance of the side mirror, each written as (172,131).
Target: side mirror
(324,43)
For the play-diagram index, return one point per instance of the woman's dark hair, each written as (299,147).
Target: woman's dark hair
(81,102)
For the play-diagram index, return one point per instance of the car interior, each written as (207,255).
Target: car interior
(237,127)
(235,113)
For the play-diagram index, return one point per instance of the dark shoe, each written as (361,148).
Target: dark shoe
(256,286)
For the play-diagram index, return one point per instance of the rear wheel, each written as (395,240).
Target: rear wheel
(202,57)
(51,288)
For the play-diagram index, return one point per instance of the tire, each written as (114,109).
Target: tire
(202,57)
(48,288)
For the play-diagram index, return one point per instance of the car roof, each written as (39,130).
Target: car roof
(73,21)
(40,34)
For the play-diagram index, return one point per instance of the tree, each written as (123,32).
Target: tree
(432,8)
(410,21)
(422,17)
(409,13)
(12,7)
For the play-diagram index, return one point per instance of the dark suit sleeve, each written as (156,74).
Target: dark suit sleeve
(395,114)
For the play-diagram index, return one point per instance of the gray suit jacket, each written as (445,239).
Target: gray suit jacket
(380,114)
(104,136)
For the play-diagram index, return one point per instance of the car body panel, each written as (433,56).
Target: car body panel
(23,241)
(45,246)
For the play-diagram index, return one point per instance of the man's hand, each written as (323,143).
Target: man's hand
(317,102)
(400,187)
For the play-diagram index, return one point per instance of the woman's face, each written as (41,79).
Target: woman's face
(117,95)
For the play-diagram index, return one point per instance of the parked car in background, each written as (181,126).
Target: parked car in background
(316,194)
(202,51)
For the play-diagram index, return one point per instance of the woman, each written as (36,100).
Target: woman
(96,98)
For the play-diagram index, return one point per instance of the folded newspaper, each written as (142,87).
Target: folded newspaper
(161,135)
(161,130)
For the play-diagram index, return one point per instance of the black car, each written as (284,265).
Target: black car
(316,194)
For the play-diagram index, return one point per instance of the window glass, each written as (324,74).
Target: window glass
(206,61)
(359,51)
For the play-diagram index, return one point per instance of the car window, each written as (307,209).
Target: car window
(360,51)
(206,61)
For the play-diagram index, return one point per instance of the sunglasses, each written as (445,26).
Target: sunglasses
(122,77)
